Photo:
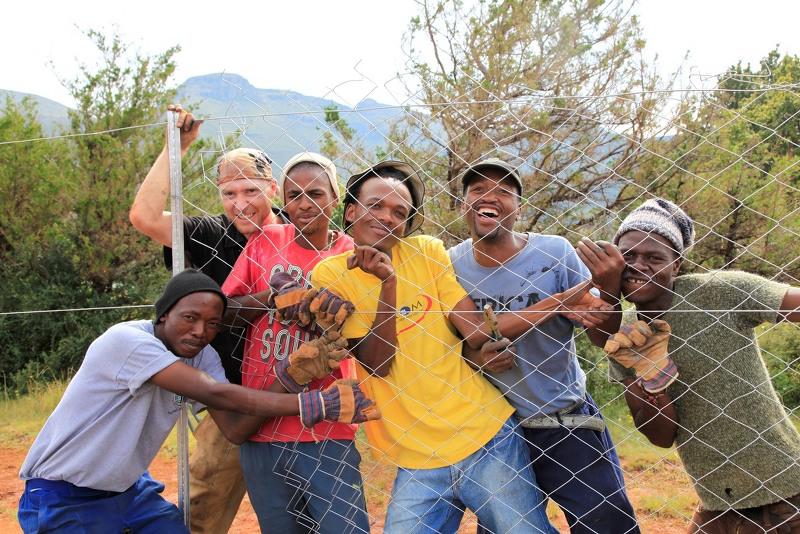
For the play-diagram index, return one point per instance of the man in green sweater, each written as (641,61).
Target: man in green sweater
(688,356)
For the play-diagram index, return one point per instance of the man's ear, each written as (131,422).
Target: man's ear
(347,216)
(518,210)
(676,266)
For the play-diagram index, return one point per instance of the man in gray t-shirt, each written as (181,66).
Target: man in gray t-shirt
(86,470)
(573,456)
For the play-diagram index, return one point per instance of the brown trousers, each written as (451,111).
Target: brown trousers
(782,517)
(216,483)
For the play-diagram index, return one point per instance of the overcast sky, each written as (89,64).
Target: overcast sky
(324,48)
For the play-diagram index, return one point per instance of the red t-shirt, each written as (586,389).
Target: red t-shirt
(268,252)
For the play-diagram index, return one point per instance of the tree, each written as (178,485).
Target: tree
(65,239)
(31,179)
(732,164)
(127,92)
(559,86)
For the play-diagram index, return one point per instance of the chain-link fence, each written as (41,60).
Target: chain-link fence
(726,155)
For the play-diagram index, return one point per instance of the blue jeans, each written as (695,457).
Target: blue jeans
(57,506)
(496,482)
(579,469)
(305,487)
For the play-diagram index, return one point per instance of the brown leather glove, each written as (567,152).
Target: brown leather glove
(307,306)
(644,349)
(329,310)
(313,359)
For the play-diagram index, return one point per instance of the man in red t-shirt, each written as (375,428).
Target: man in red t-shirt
(298,479)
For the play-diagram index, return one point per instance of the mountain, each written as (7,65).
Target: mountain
(50,113)
(280,122)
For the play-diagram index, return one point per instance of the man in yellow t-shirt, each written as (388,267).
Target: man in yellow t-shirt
(447,429)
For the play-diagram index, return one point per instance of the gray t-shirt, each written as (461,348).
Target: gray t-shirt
(547,377)
(111,421)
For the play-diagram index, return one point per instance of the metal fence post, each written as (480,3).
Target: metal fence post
(176,197)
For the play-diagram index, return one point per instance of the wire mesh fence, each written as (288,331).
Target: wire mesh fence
(456,434)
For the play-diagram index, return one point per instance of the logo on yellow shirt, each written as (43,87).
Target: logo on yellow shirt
(413,315)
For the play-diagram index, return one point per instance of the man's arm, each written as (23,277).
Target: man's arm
(237,410)
(147,213)
(790,306)
(470,324)
(246,309)
(606,265)
(656,419)
(377,349)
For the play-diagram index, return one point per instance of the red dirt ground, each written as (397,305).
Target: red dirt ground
(164,469)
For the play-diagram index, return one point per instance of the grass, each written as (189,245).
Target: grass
(21,418)
(656,482)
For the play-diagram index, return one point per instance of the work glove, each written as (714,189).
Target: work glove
(328,309)
(296,303)
(644,349)
(287,296)
(342,401)
(313,359)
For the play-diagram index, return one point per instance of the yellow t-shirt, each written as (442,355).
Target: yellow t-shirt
(436,409)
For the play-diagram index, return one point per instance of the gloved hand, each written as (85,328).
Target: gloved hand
(342,401)
(329,309)
(644,349)
(287,295)
(313,359)
(296,303)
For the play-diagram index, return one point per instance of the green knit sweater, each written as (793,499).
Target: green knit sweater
(734,436)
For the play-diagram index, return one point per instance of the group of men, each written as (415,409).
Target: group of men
(492,416)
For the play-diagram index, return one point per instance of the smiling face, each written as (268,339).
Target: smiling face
(379,217)
(309,200)
(491,204)
(246,197)
(191,324)
(651,265)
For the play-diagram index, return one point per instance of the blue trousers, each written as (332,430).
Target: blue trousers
(58,506)
(297,488)
(579,469)
(495,482)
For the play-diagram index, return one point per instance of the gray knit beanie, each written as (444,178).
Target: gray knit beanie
(662,217)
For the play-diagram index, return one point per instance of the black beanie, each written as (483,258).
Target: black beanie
(185,283)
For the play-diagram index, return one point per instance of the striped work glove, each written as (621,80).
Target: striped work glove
(342,401)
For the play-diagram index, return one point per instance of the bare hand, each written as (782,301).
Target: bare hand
(372,261)
(606,264)
(188,126)
(496,356)
(589,311)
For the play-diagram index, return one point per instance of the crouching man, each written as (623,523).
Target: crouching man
(86,470)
